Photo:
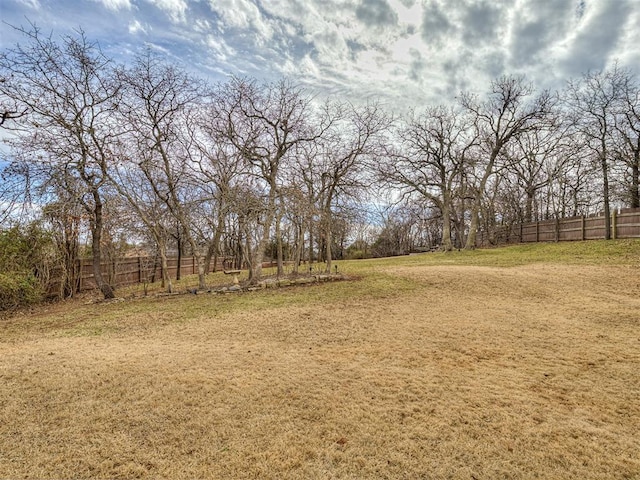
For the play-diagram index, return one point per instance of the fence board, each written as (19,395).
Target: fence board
(126,271)
(624,224)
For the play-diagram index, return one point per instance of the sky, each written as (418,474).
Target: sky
(404,53)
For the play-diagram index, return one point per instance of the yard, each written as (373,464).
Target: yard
(521,362)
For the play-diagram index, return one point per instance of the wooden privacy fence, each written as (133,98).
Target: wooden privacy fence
(126,271)
(624,224)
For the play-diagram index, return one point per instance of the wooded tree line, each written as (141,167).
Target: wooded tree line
(148,154)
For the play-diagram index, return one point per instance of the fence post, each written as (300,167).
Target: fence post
(80,275)
(521,239)
(614,217)
(537,232)
(582,226)
(193,264)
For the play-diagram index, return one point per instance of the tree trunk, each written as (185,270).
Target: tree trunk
(473,225)
(214,247)
(255,265)
(528,213)
(166,278)
(297,255)
(253,258)
(279,254)
(475,208)
(96,239)
(179,244)
(328,241)
(310,240)
(635,181)
(605,194)
(446,224)
(212,252)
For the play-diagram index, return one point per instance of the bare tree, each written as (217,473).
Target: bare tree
(535,158)
(593,100)
(264,123)
(434,152)
(216,168)
(159,97)
(627,125)
(133,185)
(65,217)
(69,95)
(508,112)
(354,139)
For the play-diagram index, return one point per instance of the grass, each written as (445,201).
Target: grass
(519,362)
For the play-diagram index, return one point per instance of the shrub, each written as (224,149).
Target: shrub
(18,290)
(26,255)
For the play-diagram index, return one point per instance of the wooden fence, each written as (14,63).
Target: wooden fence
(624,224)
(126,271)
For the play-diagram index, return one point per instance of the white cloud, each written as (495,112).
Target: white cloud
(202,25)
(32,4)
(136,27)
(597,35)
(176,9)
(410,51)
(243,15)
(628,52)
(220,49)
(116,4)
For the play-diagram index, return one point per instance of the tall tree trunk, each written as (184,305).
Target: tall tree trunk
(96,239)
(605,194)
(279,253)
(473,224)
(200,263)
(477,201)
(250,255)
(179,244)
(299,242)
(255,264)
(212,253)
(166,278)
(635,181)
(328,240)
(257,255)
(310,242)
(164,264)
(214,247)
(446,223)
(528,213)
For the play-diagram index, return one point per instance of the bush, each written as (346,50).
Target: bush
(356,254)
(25,258)
(18,290)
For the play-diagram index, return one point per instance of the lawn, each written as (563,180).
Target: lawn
(519,362)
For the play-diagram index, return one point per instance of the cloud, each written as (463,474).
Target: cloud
(411,52)
(176,9)
(136,27)
(32,4)
(116,4)
(597,36)
(242,15)
(376,13)
(482,21)
(537,27)
(435,24)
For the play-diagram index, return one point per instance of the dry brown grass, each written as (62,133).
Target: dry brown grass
(530,371)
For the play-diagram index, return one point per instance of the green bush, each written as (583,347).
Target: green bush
(26,254)
(356,254)
(18,290)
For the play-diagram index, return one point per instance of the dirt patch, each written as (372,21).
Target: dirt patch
(478,372)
